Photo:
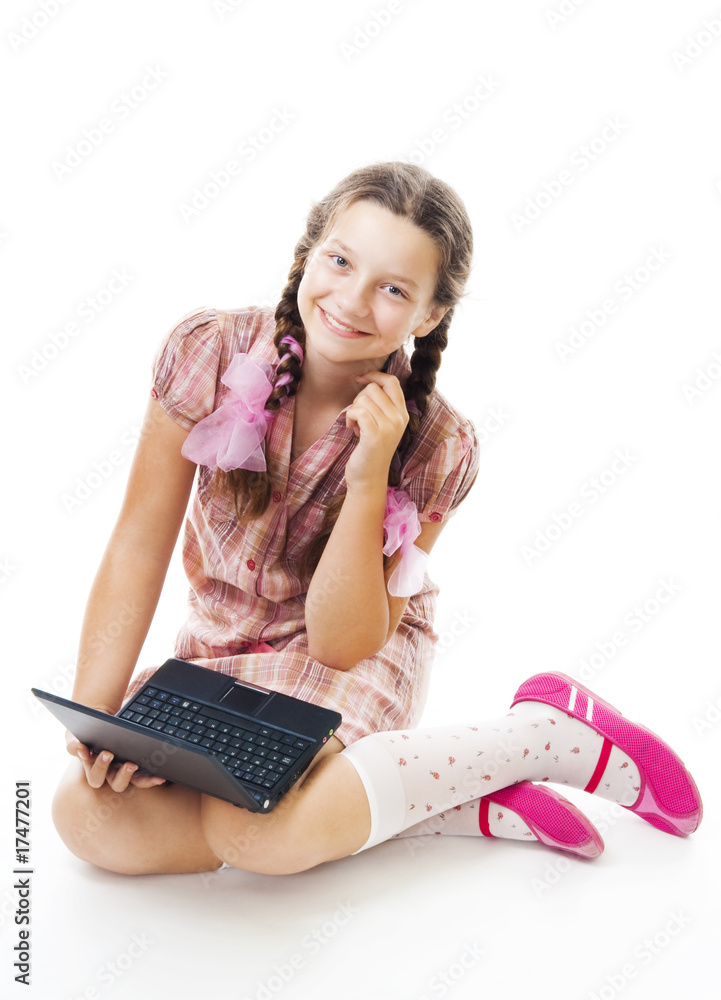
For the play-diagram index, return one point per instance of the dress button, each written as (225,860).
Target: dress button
(250,564)
(277,497)
(153,393)
(435,516)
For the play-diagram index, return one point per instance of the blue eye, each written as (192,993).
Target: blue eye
(343,263)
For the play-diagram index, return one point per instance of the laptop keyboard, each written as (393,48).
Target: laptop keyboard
(252,752)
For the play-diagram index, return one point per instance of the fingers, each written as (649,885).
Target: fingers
(100,768)
(389,386)
(389,383)
(375,410)
(95,766)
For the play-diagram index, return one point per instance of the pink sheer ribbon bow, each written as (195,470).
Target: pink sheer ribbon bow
(401,527)
(232,436)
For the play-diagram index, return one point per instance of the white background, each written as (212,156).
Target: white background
(359,83)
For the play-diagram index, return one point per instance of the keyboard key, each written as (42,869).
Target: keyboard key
(151,691)
(174,699)
(275,735)
(164,716)
(186,714)
(268,784)
(181,734)
(199,729)
(194,738)
(301,744)
(195,707)
(153,713)
(142,700)
(186,724)
(206,742)
(128,714)
(264,731)
(272,755)
(156,704)
(170,730)
(157,724)
(146,720)
(163,695)
(212,723)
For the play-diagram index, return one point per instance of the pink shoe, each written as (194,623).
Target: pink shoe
(554,820)
(669,798)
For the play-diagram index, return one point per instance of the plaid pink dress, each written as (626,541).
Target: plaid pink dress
(245,588)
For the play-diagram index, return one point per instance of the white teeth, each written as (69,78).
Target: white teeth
(340,326)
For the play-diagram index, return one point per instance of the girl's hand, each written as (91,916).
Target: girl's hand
(378,417)
(99,767)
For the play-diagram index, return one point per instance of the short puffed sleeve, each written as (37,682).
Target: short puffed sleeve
(444,479)
(185,368)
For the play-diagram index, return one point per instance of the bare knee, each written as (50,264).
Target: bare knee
(86,820)
(257,842)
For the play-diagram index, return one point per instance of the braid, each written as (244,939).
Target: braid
(425,362)
(252,491)
(288,323)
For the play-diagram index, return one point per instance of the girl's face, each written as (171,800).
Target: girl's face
(369,286)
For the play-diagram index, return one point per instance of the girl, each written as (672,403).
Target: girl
(328,464)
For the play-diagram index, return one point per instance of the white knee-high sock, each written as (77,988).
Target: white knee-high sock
(411,775)
(464,821)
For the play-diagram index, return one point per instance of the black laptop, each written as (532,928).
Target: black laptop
(206,730)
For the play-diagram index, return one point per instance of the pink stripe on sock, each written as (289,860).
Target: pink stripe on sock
(483,806)
(600,767)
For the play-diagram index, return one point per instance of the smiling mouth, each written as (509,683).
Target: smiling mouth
(337,323)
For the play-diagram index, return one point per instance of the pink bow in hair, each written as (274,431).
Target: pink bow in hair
(401,526)
(232,436)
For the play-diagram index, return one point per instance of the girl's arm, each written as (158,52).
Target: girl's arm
(349,613)
(127,586)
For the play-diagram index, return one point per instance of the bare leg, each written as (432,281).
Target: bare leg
(170,828)
(323,818)
(135,832)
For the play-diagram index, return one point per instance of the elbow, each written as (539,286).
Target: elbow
(342,655)
(335,658)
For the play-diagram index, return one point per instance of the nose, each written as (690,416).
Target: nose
(353,297)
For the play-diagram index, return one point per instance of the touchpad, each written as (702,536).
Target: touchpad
(243,699)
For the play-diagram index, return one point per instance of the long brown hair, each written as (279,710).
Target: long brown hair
(411,192)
